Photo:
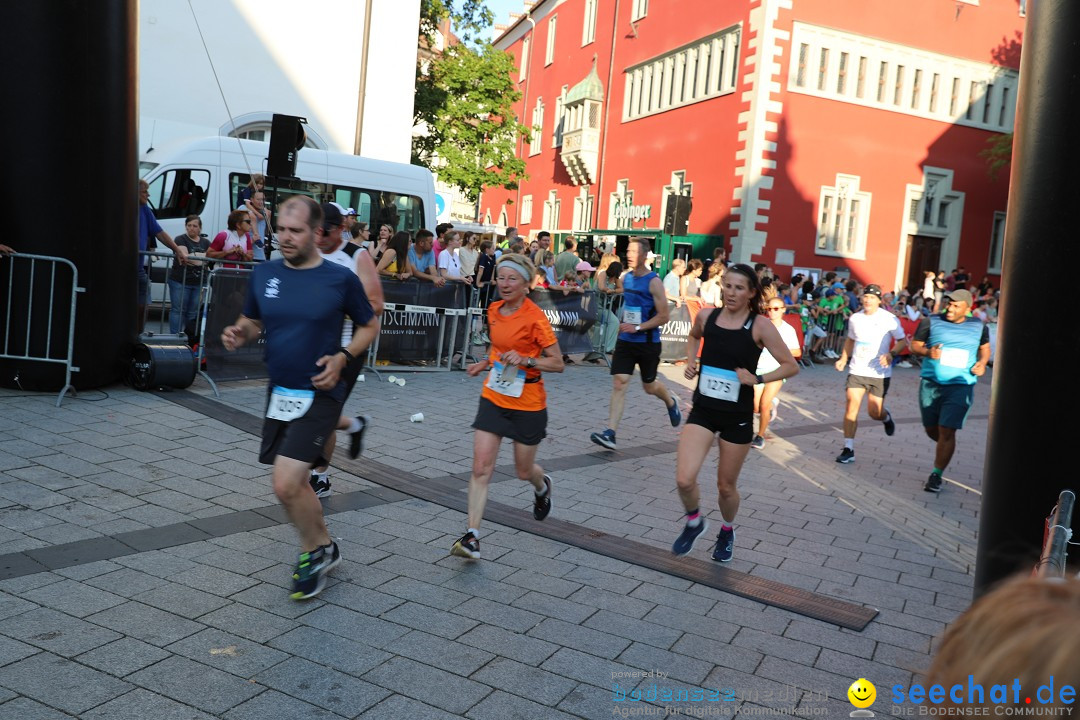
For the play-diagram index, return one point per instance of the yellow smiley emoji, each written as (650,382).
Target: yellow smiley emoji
(862,693)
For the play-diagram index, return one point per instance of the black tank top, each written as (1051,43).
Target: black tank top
(724,350)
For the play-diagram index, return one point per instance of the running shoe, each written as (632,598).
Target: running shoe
(320,484)
(542,505)
(604,439)
(933,483)
(674,413)
(847,455)
(904,364)
(310,576)
(890,426)
(758,442)
(725,540)
(356,439)
(467,547)
(689,535)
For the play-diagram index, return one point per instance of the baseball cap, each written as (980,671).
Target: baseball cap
(332,215)
(584,266)
(960,296)
(830,293)
(872,290)
(350,211)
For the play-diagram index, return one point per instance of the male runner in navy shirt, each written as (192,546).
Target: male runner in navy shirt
(300,303)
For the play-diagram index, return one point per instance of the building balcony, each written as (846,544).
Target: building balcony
(581,154)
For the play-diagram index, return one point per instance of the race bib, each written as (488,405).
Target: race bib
(719,384)
(632,315)
(288,405)
(865,351)
(506,380)
(954,358)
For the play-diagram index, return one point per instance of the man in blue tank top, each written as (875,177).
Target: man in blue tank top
(957,349)
(300,302)
(644,312)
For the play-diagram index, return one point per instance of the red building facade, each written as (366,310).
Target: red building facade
(811,134)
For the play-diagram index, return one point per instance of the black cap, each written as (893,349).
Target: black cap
(874,290)
(332,215)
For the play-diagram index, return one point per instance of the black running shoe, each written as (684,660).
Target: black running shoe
(847,455)
(689,535)
(542,505)
(933,483)
(467,547)
(356,439)
(674,413)
(725,540)
(310,576)
(320,484)
(757,443)
(890,426)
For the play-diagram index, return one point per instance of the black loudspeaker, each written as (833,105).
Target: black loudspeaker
(677,216)
(155,366)
(287,136)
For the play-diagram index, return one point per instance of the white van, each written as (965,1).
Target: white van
(204,177)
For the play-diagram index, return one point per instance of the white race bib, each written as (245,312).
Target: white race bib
(719,384)
(631,315)
(508,380)
(288,405)
(954,358)
(865,351)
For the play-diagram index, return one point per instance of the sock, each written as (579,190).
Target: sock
(849,443)
(726,524)
(474,532)
(887,418)
(321,474)
(541,493)
(693,519)
(354,425)
(939,471)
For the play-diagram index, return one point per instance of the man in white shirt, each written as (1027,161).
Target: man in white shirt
(870,332)
(336,248)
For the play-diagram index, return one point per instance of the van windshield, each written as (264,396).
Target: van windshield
(374,207)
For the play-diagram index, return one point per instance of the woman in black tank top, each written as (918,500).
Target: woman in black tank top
(732,338)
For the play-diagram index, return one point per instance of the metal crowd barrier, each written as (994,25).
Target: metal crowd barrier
(1056,537)
(34,348)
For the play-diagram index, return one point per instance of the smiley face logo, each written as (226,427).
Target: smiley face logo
(862,693)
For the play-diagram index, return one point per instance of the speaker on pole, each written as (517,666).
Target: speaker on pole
(287,136)
(677,214)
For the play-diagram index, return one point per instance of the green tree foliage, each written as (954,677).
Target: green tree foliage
(465,99)
(997,153)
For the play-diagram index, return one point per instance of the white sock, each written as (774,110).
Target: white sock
(354,425)
(541,493)
(475,533)
(320,473)
(887,418)
(849,443)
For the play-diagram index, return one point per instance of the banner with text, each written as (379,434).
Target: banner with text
(410,332)
(571,317)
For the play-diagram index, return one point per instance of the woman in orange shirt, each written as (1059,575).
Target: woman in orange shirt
(513,403)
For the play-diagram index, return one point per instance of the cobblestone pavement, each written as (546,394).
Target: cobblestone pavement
(148,564)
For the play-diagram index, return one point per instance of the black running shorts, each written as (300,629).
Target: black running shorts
(304,438)
(527,427)
(736,428)
(628,354)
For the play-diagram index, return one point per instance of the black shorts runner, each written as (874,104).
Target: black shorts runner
(628,354)
(736,428)
(304,438)
(527,427)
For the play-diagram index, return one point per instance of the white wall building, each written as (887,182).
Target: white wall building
(278,56)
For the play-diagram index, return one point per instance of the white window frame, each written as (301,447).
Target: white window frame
(552,211)
(525,213)
(583,210)
(560,118)
(588,29)
(692,73)
(536,138)
(997,243)
(834,226)
(639,10)
(953,90)
(523,69)
(549,50)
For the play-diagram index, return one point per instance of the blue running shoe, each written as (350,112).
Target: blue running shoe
(673,412)
(604,439)
(689,535)
(724,542)
(310,577)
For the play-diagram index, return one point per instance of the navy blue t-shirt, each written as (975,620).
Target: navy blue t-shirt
(302,312)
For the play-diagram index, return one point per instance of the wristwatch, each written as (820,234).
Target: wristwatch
(760,380)
(348,355)
(637,328)
(530,362)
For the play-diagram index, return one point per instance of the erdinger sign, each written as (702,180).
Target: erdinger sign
(626,213)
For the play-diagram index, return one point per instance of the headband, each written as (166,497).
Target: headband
(517,267)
